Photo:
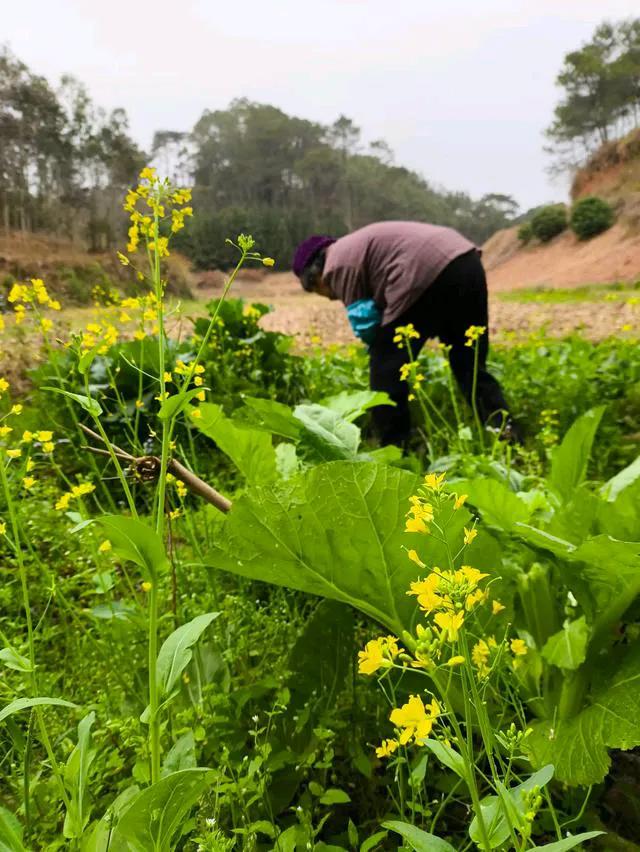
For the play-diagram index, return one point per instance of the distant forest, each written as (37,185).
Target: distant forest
(65,164)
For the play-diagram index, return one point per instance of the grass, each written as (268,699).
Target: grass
(587,293)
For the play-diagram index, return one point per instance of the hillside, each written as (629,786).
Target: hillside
(612,173)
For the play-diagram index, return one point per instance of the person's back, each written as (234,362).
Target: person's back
(396,262)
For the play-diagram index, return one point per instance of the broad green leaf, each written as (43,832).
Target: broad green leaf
(371,842)
(287,462)
(448,757)
(274,416)
(383,455)
(326,433)
(11,832)
(98,837)
(176,651)
(508,808)
(349,405)
(27,703)
(567,649)
(419,840)
(91,405)
(182,755)
(334,796)
(154,816)
(579,745)
(626,477)
(251,450)
(13,660)
(337,530)
(570,459)
(334,531)
(569,842)
(173,405)
(136,542)
(498,505)
(76,776)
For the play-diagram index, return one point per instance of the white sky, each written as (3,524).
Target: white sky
(461,89)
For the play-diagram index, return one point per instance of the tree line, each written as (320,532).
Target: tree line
(600,100)
(65,164)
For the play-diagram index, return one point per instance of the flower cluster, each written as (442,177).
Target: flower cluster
(378,654)
(154,206)
(35,295)
(412,374)
(77,491)
(473,333)
(405,333)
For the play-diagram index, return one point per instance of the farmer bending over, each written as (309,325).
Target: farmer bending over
(390,274)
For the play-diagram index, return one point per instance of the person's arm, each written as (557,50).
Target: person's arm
(349,285)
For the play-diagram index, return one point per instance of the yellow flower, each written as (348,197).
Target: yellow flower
(416,525)
(433,481)
(48,447)
(168,377)
(44,435)
(201,396)
(5,430)
(480,656)
(372,658)
(469,535)
(268,261)
(496,607)
(455,661)
(28,482)
(4,385)
(139,335)
(196,413)
(198,381)
(14,454)
(450,622)
(414,720)
(425,590)
(46,324)
(146,586)
(82,489)
(3,528)
(105,547)
(139,403)
(460,501)
(148,173)
(475,597)
(124,260)
(413,556)
(54,304)
(62,503)
(16,409)
(27,437)
(518,647)
(386,748)
(175,513)
(199,369)
(181,488)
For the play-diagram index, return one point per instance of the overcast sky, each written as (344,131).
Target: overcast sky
(461,89)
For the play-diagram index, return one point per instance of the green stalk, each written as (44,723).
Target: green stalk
(474,388)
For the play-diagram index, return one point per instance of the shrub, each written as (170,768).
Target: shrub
(525,233)
(591,216)
(548,222)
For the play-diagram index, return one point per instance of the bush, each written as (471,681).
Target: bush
(525,233)
(591,216)
(548,222)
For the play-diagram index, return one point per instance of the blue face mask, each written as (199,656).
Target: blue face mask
(365,317)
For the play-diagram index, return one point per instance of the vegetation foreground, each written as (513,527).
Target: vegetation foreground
(229,621)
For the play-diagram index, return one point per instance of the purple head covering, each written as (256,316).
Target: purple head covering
(308,249)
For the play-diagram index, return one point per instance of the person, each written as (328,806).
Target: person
(391,274)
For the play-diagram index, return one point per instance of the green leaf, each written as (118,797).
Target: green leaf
(26,703)
(420,841)
(91,405)
(570,842)
(326,434)
(287,462)
(567,649)
(11,832)
(98,838)
(579,745)
(349,405)
(251,450)
(498,505)
(333,531)
(136,542)
(13,660)
(173,405)
(76,776)
(448,757)
(274,416)
(371,842)
(334,796)
(176,651)
(182,755)
(570,459)
(508,808)
(626,477)
(154,816)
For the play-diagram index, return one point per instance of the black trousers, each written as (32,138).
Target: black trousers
(455,300)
